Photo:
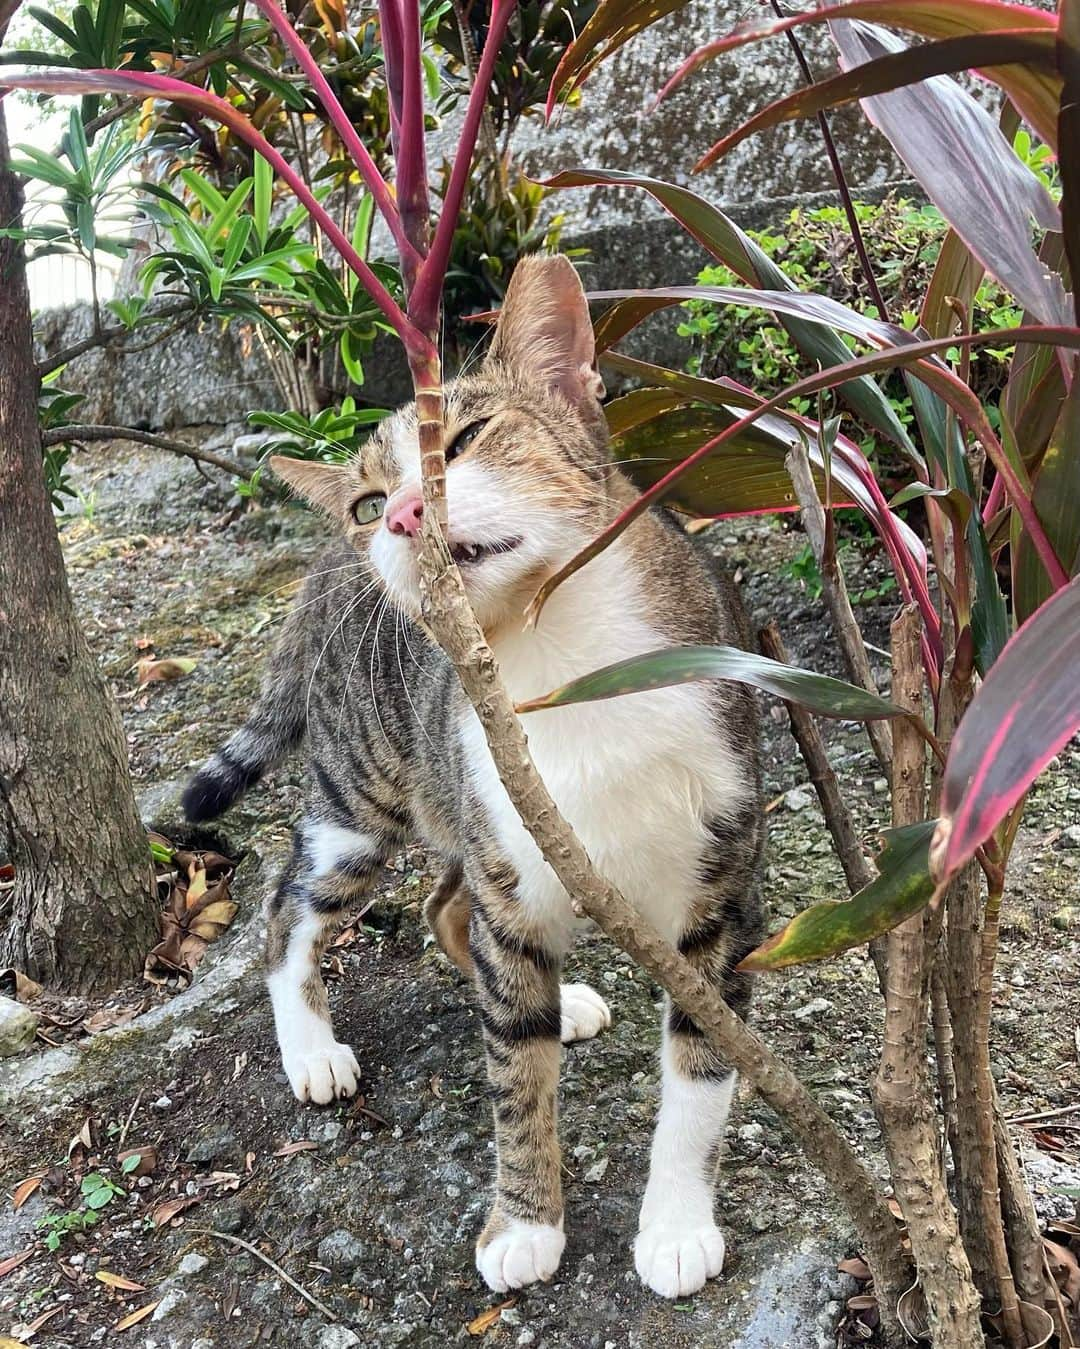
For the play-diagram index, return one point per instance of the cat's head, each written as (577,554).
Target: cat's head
(527,481)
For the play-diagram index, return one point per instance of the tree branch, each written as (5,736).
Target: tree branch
(834,588)
(61,435)
(102,338)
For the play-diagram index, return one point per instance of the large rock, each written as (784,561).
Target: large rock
(18,1026)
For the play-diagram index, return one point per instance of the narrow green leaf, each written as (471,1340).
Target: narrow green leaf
(263,198)
(902,887)
(822,694)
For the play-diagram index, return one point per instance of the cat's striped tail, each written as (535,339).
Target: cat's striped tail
(275,726)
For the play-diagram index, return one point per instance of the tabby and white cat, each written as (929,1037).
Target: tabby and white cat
(661,787)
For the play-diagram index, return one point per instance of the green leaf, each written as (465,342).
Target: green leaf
(903,887)
(97,1199)
(263,198)
(92,1182)
(236,242)
(822,694)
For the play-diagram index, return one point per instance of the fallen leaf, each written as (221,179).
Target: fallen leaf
(25,1189)
(83,1139)
(198,911)
(18,985)
(249,1163)
(35,1325)
(212,921)
(861,1302)
(196,886)
(171,1208)
(7,872)
(151,671)
(481,1324)
(856,1267)
(305,1145)
(105,1017)
(147,1156)
(896,1211)
(1065,1269)
(14,1261)
(135,1317)
(6,1342)
(112,1280)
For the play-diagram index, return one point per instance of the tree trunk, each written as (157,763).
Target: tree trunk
(85,909)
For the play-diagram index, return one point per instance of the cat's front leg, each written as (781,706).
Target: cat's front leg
(331,867)
(517,981)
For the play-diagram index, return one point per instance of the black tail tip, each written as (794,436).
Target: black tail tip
(205,798)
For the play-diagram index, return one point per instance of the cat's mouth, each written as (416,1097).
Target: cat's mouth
(472,554)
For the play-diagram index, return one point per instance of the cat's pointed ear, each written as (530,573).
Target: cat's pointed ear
(544,332)
(325,486)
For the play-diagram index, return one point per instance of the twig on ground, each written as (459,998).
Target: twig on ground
(270,1264)
(61,435)
(127,1122)
(834,589)
(804,728)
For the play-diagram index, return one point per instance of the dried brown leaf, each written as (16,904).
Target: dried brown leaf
(171,1208)
(14,1261)
(148,1159)
(36,1324)
(151,671)
(481,1324)
(105,1017)
(856,1267)
(304,1145)
(18,985)
(861,1302)
(196,886)
(1065,1268)
(213,920)
(133,1318)
(112,1280)
(25,1189)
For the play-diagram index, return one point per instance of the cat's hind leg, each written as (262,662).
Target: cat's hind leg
(583,1013)
(331,869)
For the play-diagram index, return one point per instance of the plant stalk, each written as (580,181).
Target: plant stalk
(902,1091)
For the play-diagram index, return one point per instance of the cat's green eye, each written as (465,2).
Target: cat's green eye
(369,509)
(464,439)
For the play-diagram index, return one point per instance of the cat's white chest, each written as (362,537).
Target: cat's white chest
(637,777)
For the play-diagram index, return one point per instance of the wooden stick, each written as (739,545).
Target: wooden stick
(270,1264)
(62,434)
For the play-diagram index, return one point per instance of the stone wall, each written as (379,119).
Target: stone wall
(213,376)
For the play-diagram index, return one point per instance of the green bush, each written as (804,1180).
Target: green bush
(815,249)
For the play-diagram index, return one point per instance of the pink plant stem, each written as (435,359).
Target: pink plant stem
(410,158)
(995,500)
(372,178)
(424,303)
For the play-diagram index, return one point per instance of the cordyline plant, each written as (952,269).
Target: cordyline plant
(1025,711)
(991,497)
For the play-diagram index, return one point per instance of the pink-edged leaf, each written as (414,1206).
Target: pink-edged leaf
(1056,499)
(956,151)
(943,382)
(735,249)
(1068,57)
(209,105)
(357,150)
(613,23)
(958,274)
(896,70)
(1034,91)
(1027,710)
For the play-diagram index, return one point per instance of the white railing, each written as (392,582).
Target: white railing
(63,279)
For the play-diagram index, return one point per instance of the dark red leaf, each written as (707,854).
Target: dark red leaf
(1025,712)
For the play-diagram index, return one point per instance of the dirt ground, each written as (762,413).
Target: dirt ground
(371,1207)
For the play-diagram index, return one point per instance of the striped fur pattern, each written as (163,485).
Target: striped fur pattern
(661,787)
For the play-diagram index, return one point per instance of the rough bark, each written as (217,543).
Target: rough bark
(84,910)
(1018,1211)
(450,619)
(902,1090)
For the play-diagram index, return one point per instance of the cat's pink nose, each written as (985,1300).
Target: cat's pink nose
(404,516)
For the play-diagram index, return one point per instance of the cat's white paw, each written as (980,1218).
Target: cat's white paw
(520,1254)
(322,1073)
(674,1260)
(584,1012)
